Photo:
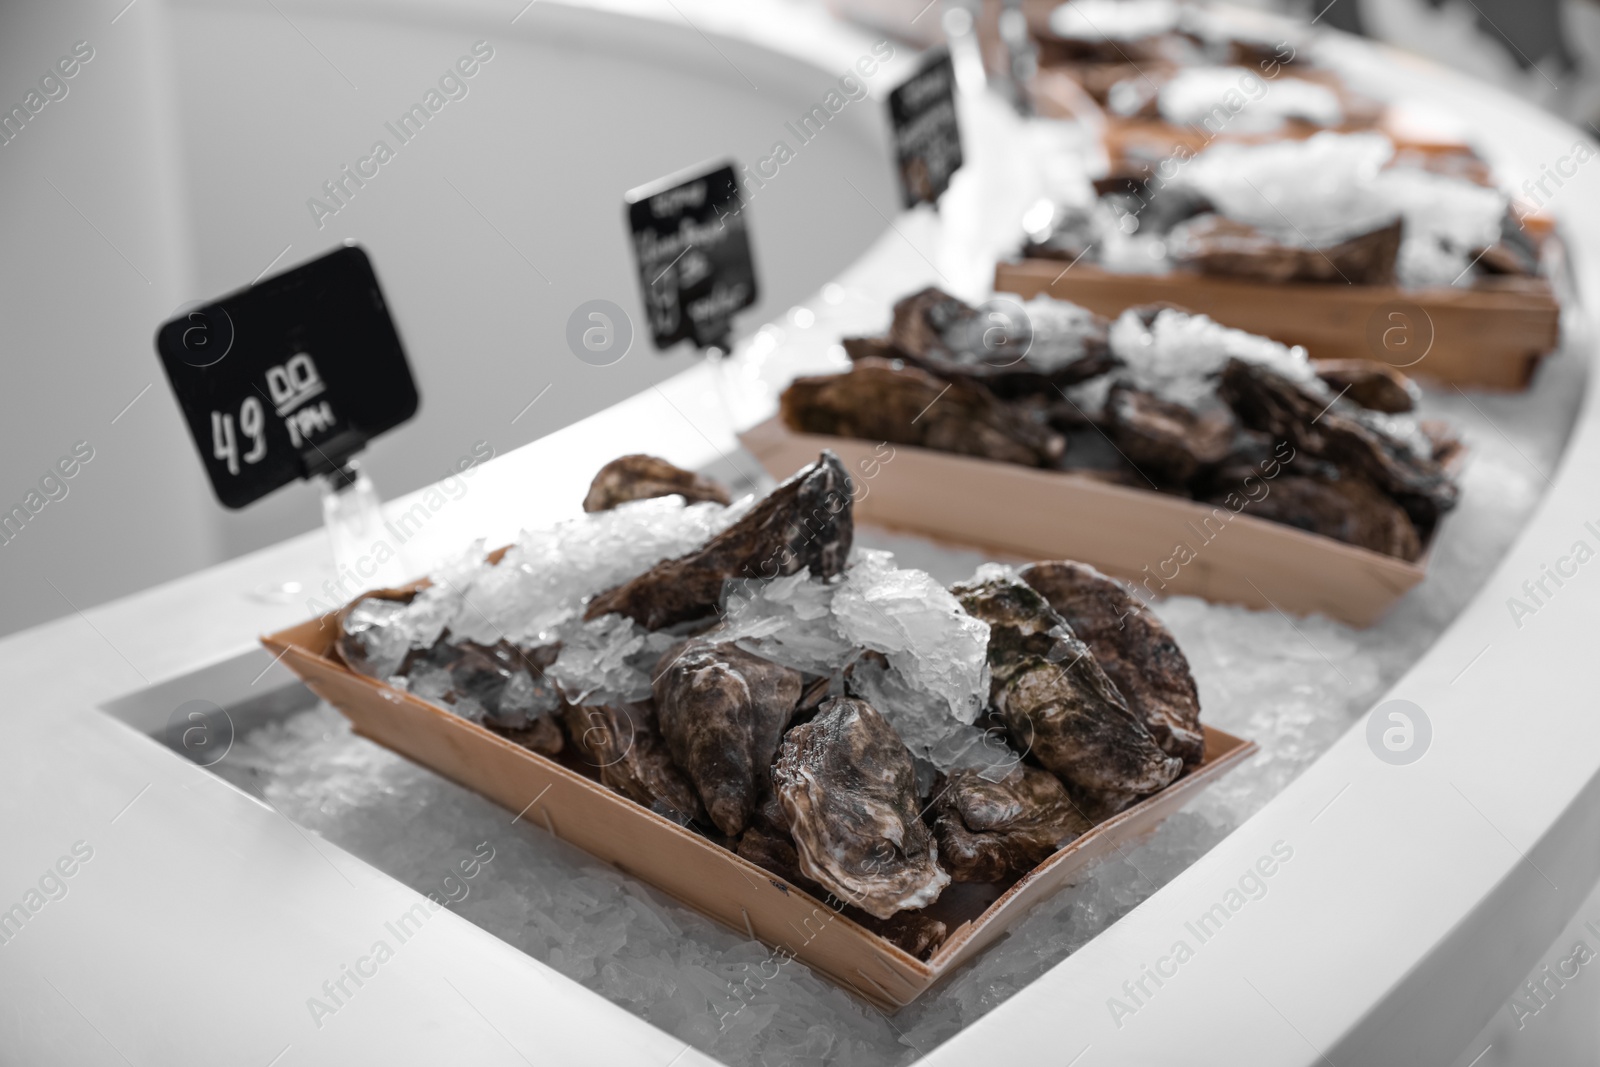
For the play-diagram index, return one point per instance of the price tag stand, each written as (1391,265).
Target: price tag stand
(288,379)
(691,242)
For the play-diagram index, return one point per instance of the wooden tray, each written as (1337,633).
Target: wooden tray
(1031,514)
(1492,335)
(707,878)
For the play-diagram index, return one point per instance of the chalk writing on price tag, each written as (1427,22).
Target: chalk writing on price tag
(289,377)
(927,138)
(692,245)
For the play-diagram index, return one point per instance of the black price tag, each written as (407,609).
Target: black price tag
(289,377)
(927,139)
(693,250)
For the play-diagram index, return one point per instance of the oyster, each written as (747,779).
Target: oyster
(1057,703)
(774,852)
(1010,356)
(1343,435)
(803,523)
(1137,652)
(848,789)
(1214,244)
(881,401)
(999,831)
(1346,508)
(1169,442)
(638,477)
(1369,383)
(912,932)
(723,712)
(542,735)
(623,744)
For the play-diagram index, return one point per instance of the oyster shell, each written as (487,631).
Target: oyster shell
(878,400)
(1346,508)
(723,712)
(623,744)
(1214,244)
(911,931)
(1134,648)
(1343,435)
(1369,383)
(848,789)
(1057,703)
(999,831)
(803,523)
(1169,442)
(954,340)
(638,477)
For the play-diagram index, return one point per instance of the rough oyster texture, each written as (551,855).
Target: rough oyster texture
(1052,344)
(773,851)
(1369,383)
(623,744)
(504,687)
(1345,508)
(542,736)
(911,931)
(878,400)
(641,477)
(848,789)
(1214,244)
(1137,652)
(999,831)
(1057,703)
(1356,442)
(723,712)
(1169,442)
(805,523)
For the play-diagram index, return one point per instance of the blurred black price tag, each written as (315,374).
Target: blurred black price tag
(927,138)
(289,377)
(693,248)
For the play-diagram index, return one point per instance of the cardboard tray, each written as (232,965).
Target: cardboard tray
(1031,513)
(1491,335)
(702,875)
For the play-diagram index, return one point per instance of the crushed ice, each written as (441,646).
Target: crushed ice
(1294,686)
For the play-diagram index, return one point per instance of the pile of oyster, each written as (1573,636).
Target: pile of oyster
(850,726)
(1157,399)
(1334,207)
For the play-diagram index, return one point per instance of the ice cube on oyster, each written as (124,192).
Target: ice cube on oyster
(932,644)
(1057,703)
(1134,648)
(1334,186)
(722,712)
(998,831)
(370,641)
(1177,356)
(803,524)
(608,660)
(848,788)
(1194,93)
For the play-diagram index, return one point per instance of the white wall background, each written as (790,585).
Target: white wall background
(193,139)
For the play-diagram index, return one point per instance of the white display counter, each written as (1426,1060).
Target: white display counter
(197,921)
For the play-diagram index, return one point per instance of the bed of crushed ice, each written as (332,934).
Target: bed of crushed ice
(1292,687)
